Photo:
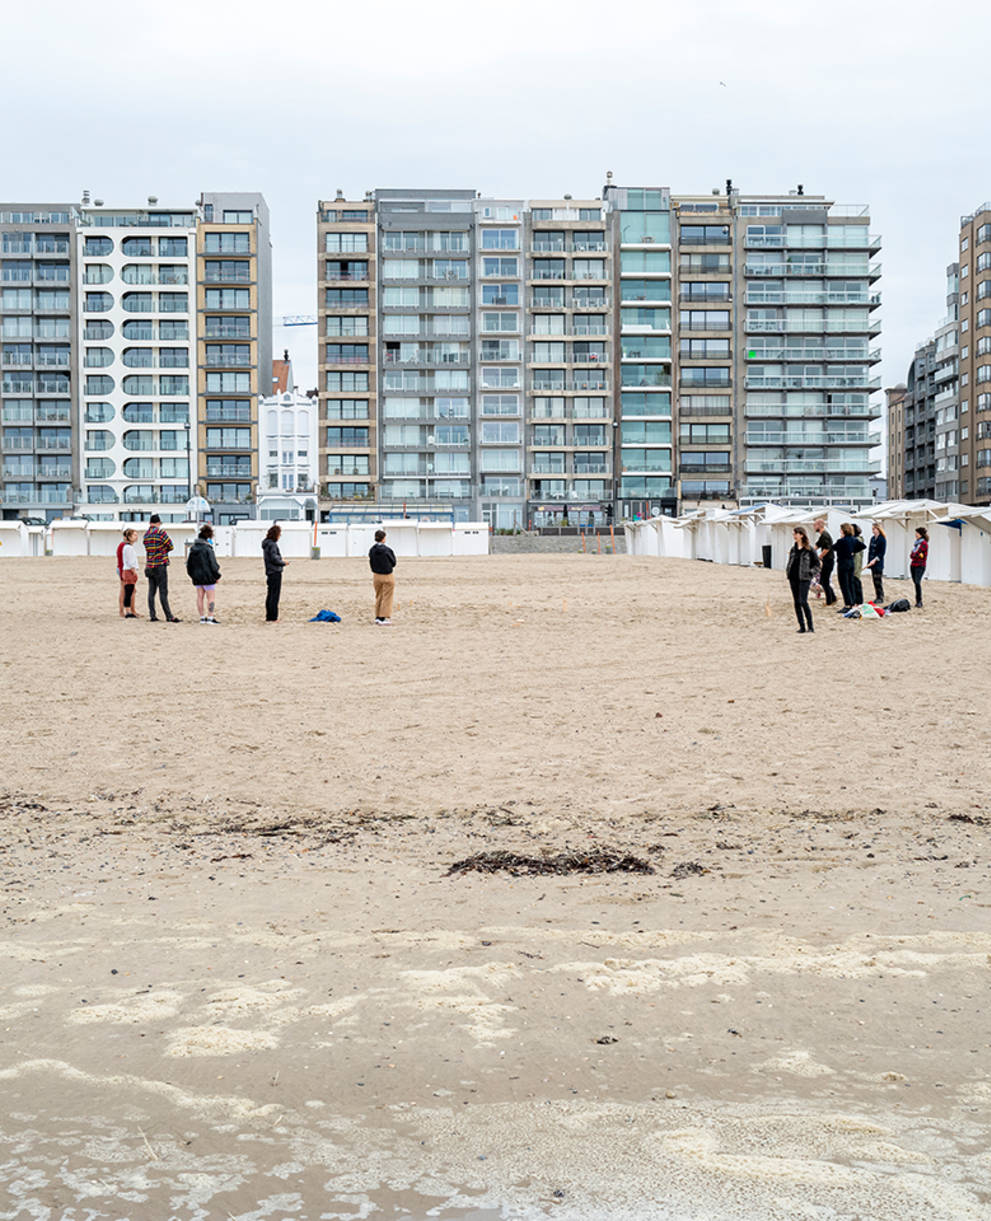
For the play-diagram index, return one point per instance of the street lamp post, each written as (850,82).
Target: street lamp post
(189,466)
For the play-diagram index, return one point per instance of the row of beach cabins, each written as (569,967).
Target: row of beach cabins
(959,547)
(407,537)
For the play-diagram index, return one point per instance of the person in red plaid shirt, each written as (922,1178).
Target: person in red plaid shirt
(157,545)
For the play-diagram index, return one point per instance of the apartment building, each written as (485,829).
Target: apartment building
(136,336)
(38,360)
(929,418)
(895,411)
(234,346)
(974,370)
(137,355)
(347,301)
(570,383)
(788,280)
(478,355)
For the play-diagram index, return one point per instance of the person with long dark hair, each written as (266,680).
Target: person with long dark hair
(875,560)
(845,548)
(917,562)
(803,563)
(204,572)
(274,564)
(858,566)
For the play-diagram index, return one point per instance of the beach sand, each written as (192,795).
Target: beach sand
(238,980)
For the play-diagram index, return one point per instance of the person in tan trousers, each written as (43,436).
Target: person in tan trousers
(382,560)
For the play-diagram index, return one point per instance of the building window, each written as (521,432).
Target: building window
(238,217)
(227,243)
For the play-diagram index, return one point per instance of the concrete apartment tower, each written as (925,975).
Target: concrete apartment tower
(347,357)
(39,450)
(640,410)
(775,332)
(142,333)
(466,349)
(930,438)
(974,429)
(234,346)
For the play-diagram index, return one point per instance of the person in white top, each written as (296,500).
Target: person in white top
(129,572)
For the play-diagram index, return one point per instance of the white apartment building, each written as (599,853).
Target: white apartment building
(137,343)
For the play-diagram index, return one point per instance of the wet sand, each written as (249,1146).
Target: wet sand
(238,980)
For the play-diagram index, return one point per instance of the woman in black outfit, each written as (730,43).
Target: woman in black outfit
(845,548)
(274,564)
(875,560)
(803,564)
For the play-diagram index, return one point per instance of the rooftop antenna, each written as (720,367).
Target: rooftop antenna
(340,193)
(85,199)
(801,189)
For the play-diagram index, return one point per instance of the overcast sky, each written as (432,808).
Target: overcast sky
(884,104)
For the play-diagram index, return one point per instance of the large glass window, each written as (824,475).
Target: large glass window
(641,227)
(652,261)
(500,239)
(227,243)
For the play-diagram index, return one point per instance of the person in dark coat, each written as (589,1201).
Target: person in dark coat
(824,545)
(204,572)
(803,563)
(845,548)
(875,560)
(858,567)
(917,562)
(382,561)
(274,564)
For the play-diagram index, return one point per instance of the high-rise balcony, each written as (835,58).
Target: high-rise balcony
(802,381)
(799,437)
(810,466)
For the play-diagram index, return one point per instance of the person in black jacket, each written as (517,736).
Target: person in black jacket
(875,560)
(803,564)
(274,564)
(845,548)
(824,545)
(382,560)
(204,572)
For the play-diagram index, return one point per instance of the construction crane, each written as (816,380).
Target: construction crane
(299,320)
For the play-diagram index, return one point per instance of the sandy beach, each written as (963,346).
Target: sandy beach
(238,979)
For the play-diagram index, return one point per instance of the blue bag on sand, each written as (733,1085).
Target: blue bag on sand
(325,616)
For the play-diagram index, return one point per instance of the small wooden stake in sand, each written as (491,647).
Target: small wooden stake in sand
(767,609)
(564,606)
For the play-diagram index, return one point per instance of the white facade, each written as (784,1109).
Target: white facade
(288,461)
(137,343)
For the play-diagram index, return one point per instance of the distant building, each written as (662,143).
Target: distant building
(289,453)
(928,418)
(133,339)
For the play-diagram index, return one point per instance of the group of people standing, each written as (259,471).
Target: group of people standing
(203,570)
(808,562)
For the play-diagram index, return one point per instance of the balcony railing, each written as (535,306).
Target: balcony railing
(574,384)
(808,466)
(225,470)
(808,438)
(798,381)
(812,355)
(761,295)
(41,497)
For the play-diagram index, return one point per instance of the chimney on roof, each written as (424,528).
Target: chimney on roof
(85,199)
(729,186)
(285,355)
(801,189)
(340,194)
